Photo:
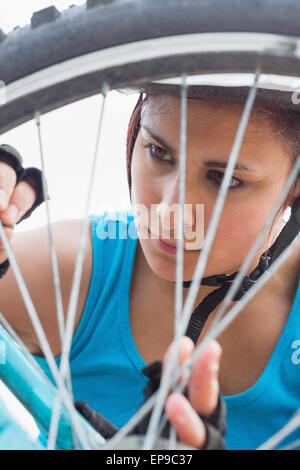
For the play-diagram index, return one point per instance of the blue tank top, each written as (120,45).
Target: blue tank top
(106,365)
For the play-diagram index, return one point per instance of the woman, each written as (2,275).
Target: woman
(120,328)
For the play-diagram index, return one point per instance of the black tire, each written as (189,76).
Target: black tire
(100,25)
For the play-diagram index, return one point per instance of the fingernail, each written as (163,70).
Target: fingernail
(214,367)
(216,346)
(12,213)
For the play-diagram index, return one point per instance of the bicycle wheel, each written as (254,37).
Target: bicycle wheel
(66,56)
(55,60)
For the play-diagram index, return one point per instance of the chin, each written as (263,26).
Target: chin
(164,269)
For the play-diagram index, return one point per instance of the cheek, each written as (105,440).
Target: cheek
(239,228)
(141,191)
(144,198)
(145,189)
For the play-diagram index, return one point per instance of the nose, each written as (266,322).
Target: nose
(169,209)
(169,215)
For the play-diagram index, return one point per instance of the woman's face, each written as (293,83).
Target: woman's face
(260,174)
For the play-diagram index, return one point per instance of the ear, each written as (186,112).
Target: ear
(295,193)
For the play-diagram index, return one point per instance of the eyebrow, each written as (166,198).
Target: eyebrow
(206,163)
(161,141)
(218,164)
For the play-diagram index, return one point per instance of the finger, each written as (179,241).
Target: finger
(21,201)
(189,427)
(9,230)
(203,387)
(185,348)
(8,180)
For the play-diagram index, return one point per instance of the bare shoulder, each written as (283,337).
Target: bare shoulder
(33,254)
(34,245)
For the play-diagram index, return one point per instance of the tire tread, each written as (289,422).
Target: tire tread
(46,15)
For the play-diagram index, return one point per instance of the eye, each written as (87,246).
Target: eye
(158,153)
(217,178)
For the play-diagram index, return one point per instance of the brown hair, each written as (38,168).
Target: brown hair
(132,133)
(286,124)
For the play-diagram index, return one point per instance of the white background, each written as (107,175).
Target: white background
(69,136)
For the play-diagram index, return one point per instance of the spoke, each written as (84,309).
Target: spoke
(172,438)
(151,434)
(240,305)
(41,335)
(293,445)
(29,356)
(180,243)
(128,427)
(72,308)
(293,424)
(185,368)
(80,255)
(54,423)
(24,348)
(54,263)
(27,300)
(253,251)
(52,436)
(220,202)
(164,387)
(188,307)
(56,283)
(182,186)
(212,228)
(94,439)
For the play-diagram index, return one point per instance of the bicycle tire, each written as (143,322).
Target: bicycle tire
(252,33)
(54,40)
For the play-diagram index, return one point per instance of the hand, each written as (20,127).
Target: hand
(203,392)
(15,201)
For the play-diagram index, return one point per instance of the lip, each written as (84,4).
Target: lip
(164,247)
(168,247)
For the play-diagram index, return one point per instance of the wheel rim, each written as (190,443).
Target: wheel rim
(135,63)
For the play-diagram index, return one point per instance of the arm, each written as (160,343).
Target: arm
(33,256)
(21,191)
